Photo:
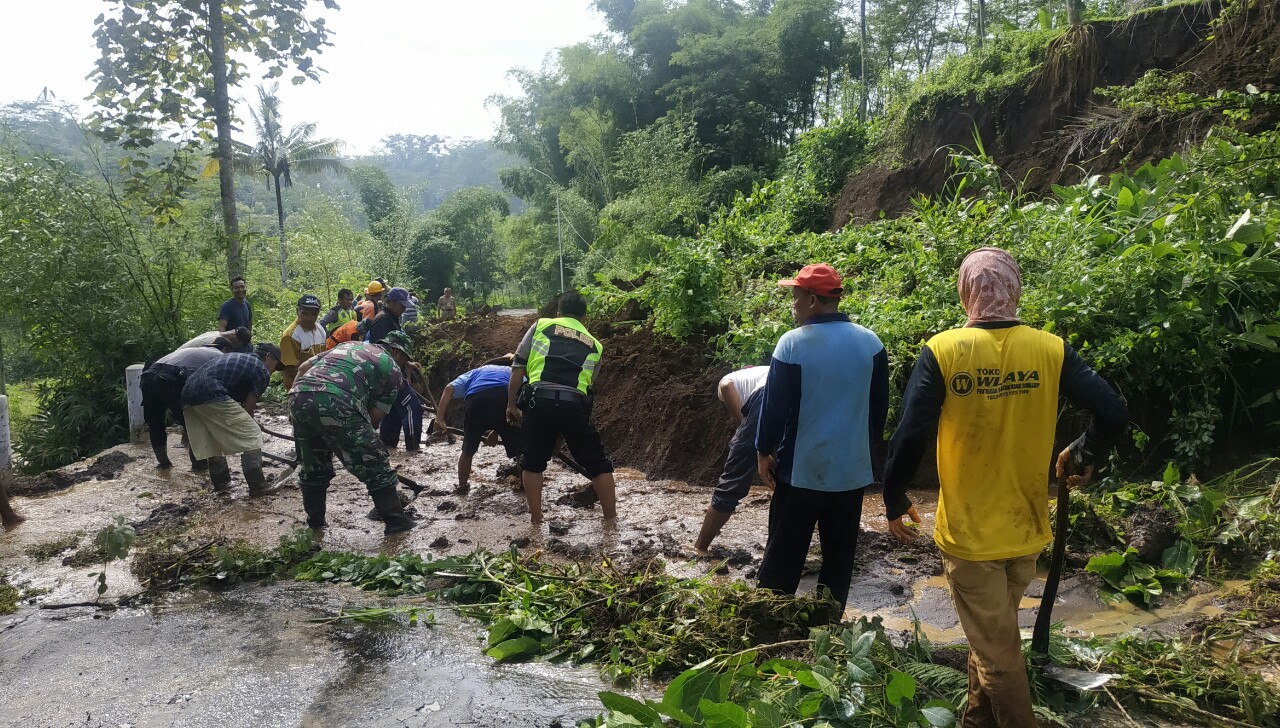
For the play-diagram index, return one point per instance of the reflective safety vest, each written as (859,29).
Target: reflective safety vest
(563,353)
(344,315)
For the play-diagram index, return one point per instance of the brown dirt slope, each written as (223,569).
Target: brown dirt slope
(1056,129)
(656,407)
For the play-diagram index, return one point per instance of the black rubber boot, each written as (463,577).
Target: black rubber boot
(313,502)
(197,466)
(220,475)
(162,456)
(251,462)
(394,519)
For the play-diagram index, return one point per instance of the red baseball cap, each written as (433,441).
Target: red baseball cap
(820,278)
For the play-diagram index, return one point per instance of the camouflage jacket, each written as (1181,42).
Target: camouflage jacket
(354,374)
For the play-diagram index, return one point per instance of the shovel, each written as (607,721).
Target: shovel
(292,465)
(1079,679)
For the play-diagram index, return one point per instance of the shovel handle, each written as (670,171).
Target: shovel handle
(1044,618)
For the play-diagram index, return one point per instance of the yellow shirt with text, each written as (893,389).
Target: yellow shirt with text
(995,440)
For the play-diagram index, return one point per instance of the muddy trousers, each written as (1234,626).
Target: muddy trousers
(161,397)
(740,466)
(792,515)
(405,414)
(986,595)
(325,427)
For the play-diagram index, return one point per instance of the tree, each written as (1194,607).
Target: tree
(279,154)
(390,218)
(469,219)
(166,67)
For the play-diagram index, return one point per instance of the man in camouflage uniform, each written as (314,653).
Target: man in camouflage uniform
(336,402)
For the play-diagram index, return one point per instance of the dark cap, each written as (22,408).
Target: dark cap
(262,348)
(397,295)
(309,301)
(398,340)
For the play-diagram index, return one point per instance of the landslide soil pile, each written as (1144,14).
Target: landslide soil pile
(656,406)
(1056,129)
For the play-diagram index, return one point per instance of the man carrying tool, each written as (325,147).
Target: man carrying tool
(825,404)
(344,311)
(218,402)
(161,386)
(991,388)
(337,401)
(485,391)
(743,395)
(407,414)
(559,358)
(303,339)
(372,302)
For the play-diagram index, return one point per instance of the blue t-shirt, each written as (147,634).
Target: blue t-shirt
(236,314)
(824,404)
(485,377)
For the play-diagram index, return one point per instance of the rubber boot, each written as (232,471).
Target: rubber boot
(220,475)
(394,519)
(313,502)
(712,522)
(162,456)
(197,466)
(251,462)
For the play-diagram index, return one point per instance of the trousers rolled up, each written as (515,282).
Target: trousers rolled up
(740,466)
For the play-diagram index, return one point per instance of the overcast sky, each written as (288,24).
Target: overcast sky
(396,66)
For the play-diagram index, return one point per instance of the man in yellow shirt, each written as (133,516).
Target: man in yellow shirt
(992,389)
(303,339)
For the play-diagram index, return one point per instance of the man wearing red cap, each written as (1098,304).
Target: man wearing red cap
(825,404)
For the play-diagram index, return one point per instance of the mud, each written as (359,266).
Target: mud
(106,466)
(1152,529)
(259,661)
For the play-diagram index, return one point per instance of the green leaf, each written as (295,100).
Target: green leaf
(764,715)
(860,670)
(939,717)
(723,715)
(901,686)
(514,649)
(1180,557)
(500,631)
(619,704)
(1124,200)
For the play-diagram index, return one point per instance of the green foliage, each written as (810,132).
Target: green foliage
(1170,94)
(1135,271)
(1129,577)
(853,679)
(113,542)
(686,289)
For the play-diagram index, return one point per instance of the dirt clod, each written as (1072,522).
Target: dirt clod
(440,543)
(1152,529)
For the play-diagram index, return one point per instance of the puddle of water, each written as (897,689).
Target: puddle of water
(249,657)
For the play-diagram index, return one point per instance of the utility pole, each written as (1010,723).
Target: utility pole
(560,240)
(559,233)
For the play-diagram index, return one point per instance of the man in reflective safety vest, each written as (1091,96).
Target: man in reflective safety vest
(559,358)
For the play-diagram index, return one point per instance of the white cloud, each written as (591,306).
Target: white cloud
(396,66)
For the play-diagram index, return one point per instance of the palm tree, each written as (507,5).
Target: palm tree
(278,154)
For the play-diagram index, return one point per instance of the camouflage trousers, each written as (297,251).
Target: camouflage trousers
(324,427)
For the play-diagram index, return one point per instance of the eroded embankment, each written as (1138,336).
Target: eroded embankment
(1055,128)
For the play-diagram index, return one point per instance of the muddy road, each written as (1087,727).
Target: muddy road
(251,655)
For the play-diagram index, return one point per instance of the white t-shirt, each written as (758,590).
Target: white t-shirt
(309,339)
(747,380)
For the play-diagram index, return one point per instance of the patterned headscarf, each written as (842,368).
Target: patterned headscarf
(990,284)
